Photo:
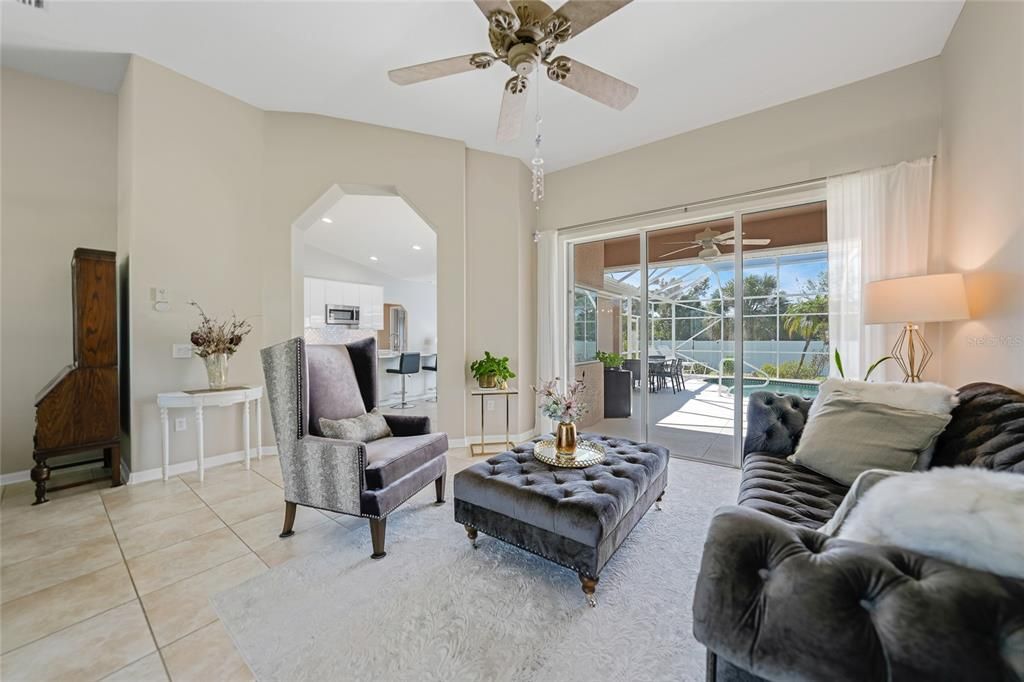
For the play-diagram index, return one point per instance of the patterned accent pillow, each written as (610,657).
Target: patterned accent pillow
(364,428)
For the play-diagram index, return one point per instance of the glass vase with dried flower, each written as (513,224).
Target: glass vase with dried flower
(215,342)
(566,408)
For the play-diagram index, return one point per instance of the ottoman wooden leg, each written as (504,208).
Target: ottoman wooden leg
(471,532)
(657,502)
(589,588)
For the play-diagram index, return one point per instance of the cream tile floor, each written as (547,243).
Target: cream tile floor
(114,583)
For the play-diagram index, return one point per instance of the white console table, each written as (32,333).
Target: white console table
(201,399)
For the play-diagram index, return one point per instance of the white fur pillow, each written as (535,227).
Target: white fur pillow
(973,517)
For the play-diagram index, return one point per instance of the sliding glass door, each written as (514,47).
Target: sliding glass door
(662,307)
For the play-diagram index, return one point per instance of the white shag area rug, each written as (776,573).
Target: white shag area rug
(436,609)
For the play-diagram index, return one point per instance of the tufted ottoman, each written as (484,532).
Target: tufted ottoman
(576,518)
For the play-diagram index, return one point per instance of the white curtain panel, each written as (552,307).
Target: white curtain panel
(550,316)
(878,223)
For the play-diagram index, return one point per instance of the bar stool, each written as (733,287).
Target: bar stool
(432,368)
(408,363)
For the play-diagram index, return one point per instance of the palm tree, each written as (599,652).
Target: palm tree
(808,319)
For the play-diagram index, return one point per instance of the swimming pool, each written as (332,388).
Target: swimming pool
(751,385)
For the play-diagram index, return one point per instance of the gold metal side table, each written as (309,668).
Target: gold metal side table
(481,447)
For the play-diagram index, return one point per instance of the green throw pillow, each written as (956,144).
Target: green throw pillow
(848,436)
(364,428)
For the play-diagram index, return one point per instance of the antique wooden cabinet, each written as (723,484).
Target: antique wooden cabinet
(77,410)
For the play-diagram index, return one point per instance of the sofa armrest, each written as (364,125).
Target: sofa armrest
(407,424)
(326,473)
(785,602)
(774,423)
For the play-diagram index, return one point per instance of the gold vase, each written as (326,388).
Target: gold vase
(487,381)
(565,438)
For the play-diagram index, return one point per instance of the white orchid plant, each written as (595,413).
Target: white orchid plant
(565,407)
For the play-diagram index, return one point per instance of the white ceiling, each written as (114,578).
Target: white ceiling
(696,63)
(384,227)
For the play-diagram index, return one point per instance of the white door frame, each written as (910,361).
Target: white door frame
(737,207)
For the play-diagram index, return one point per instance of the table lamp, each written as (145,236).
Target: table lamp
(926,298)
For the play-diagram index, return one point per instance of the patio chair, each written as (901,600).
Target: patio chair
(633,366)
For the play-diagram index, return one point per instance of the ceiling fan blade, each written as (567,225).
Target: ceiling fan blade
(510,120)
(488,6)
(582,14)
(725,236)
(757,242)
(430,70)
(670,253)
(588,81)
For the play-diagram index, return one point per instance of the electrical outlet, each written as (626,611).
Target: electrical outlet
(180,424)
(490,406)
(181,350)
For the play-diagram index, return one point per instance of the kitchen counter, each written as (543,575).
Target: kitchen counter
(388,354)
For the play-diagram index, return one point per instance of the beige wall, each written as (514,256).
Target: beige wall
(888,118)
(500,272)
(191,207)
(59,166)
(305,155)
(980,202)
(208,208)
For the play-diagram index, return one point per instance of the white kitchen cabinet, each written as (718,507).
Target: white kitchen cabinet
(377,307)
(333,293)
(349,293)
(317,300)
(320,292)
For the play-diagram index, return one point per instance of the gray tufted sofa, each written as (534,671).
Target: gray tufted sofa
(776,600)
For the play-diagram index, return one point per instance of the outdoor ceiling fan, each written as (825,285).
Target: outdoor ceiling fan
(708,242)
(524,34)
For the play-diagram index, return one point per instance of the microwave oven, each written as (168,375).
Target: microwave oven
(345,315)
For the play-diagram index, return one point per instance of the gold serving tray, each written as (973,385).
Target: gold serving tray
(587,454)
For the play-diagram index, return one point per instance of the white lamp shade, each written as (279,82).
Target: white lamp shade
(927,298)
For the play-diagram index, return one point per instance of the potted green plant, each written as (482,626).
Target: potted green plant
(491,371)
(610,360)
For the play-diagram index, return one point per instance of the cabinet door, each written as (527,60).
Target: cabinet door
(333,293)
(378,308)
(316,302)
(349,293)
(305,301)
(363,301)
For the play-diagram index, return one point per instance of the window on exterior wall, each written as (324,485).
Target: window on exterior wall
(585,325)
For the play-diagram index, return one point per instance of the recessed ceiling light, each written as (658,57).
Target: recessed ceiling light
(374,258)
(326,220)
(416,247)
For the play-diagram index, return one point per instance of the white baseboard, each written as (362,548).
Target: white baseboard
(15,477)
(26,475)
(468,440)
(179,468)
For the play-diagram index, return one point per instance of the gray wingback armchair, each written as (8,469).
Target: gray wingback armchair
(305,383)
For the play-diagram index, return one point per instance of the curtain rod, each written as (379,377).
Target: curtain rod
(718,200)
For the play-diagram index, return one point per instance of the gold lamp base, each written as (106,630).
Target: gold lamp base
(911,352)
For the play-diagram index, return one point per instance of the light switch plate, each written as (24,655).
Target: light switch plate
(490,405)
(181,350)
(180,424)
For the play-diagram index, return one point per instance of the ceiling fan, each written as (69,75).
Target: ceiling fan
(523,35)
(708,242)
